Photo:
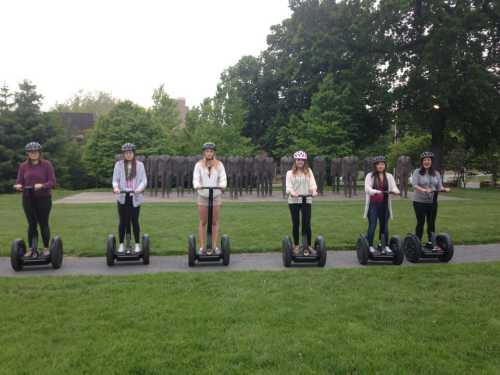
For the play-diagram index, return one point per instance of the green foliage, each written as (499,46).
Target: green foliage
(411,146)
(99,103)
(126,122)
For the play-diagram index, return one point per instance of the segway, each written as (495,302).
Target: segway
(210,254)
(440,246)
(18,249)
(304,255)
(395,244)
(128,255)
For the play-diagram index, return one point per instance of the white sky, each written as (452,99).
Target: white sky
(130,47)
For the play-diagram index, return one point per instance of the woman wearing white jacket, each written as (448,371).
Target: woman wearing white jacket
(209,172)
(378,186)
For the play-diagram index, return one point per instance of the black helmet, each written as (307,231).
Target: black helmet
(33,146)
(208,146)
(427,154)
(379,159)
(128,147)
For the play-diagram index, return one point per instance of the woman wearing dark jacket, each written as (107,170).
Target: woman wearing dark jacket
(36,179)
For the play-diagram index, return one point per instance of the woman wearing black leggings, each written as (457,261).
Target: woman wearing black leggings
(427,183)
(36,178)
(129,182)
(300,181)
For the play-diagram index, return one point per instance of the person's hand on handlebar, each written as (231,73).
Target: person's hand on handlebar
(446,190)
(18,187)
(38,186)
(313,192)
(116,190)
(138,191)
(294,194)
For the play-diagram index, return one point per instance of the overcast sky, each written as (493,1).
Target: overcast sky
(130,47)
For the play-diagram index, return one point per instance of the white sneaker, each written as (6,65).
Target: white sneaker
(388,250)
(217,251)
(137,248)
(373,251)
(121,249)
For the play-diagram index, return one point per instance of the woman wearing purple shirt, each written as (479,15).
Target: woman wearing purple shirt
(36,178)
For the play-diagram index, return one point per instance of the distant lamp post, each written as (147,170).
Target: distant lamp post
(436,106)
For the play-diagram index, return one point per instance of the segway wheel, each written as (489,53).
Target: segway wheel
(191,250)
(110,250)
(286,248)
(145,249)
(56,252)
(225,246)
(412,248)
(17,251)
(396,246)
(362,248)
(320,247)
(444,242)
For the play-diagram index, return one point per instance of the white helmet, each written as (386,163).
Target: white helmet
(300,155)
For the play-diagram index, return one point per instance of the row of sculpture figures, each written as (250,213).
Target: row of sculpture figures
(246,174)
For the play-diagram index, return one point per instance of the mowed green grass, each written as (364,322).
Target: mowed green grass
(432,319)
(253,227)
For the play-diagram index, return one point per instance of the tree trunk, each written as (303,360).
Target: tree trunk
(438,128)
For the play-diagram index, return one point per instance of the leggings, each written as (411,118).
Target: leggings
(127,213)
(376,212)
(295,210)
(425,211)
(37,211)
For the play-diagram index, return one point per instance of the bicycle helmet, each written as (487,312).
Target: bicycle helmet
(128,147)
(33,146)
(379,159)
(208,146)
(300,155)
(427,154)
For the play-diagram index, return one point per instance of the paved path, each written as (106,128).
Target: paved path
(239,262)
(104,197)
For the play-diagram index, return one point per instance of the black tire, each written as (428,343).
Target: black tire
(320,247)
(396,246)
(110,250)
(56,252)
(286,249)
(444,242)
(191,250)
(412,248)
(17,251)
(225,246)
(362,250)
(145,249)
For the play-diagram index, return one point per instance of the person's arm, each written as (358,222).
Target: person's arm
(51,177)
(116,178)
(222,176)
(143,179)
(313,187)
(196,177)
(368,186)
(20,178)
(392,185)
(288,184)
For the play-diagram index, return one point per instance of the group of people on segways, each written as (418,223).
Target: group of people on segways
(379,186)
(36,178)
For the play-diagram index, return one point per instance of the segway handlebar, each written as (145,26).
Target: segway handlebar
(210,188)
(25,188)
(129,192)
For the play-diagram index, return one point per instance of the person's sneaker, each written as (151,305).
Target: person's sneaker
(217,251)
(296,250)
(202,251)
(137,248)
(121,249)
(429,245)
(373,251)
(388,250)
(29,253)
(46,252)
(312,252)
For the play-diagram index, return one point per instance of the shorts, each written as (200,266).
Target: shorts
(202,201)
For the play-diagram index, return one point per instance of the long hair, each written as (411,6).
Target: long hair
(215,162)
(376,181)
(432,171)
(133,172)
(295,168)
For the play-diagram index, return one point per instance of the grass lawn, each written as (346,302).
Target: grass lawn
(253,227)
(437,319)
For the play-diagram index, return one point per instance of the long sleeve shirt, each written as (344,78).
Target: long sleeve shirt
(426,181)
(30,174)
(301,184)
(213,177)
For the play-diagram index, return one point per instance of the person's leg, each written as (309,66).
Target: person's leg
(420,215)
(202,227)
(306,223)
(382,219)
(372,223)
(43,205)
(431,220)
(135,212)
(215,225)
(122,222)
(294,213)
(29,211)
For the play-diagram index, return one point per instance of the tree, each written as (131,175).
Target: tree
(99,103)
